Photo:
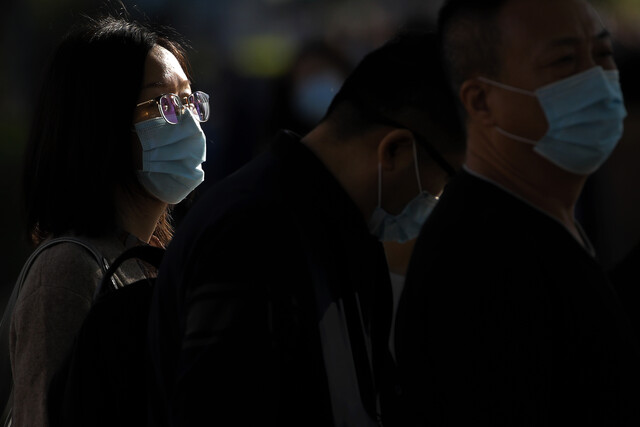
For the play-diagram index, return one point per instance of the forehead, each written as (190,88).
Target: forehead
(163,69)
(530,25)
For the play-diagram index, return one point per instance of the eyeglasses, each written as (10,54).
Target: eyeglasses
(171,107)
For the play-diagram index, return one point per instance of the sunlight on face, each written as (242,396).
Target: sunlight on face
(162,74)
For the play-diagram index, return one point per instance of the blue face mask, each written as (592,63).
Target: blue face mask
(585,113)
(406,225)
(172,157)
(314,94)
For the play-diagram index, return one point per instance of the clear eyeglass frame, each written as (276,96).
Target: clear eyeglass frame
(171,107)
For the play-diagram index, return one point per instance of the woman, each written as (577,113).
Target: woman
(116,141)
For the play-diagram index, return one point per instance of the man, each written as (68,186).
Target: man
(273,303)
(507,318)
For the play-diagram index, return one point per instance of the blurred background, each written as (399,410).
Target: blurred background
(271,64)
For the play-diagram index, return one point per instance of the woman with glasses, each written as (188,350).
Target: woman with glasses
(116,140)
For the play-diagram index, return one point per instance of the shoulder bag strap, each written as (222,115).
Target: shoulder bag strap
(149,254)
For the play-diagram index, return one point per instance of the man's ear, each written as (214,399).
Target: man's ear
(394,148)
(474,97)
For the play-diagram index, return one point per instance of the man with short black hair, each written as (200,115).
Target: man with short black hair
(273,304)
(507,318)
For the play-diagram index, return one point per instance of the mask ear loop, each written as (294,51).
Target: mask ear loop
(507,87)
(379,184)
(415,162)
(516,137)
(516,90)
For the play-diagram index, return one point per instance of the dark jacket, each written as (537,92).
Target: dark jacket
(506,320)
(234,321)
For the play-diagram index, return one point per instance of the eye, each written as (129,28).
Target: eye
(567,59)
(605,53)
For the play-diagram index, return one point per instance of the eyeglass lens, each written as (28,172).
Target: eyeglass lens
(171,106)
(200,101)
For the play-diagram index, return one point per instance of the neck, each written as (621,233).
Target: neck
(528,175)
(346,161)
(141,218)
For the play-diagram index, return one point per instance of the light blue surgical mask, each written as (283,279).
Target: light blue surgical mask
(585,114)
(172,157)
(407,224)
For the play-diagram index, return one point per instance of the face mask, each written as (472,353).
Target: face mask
(406,225)
(585,114)
(172,157)
(314,94)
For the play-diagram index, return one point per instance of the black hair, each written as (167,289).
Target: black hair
(402,77)
(79,153)
(469,37)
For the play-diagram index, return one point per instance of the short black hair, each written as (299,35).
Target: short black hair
(469,38)
(80,151)
(403,76)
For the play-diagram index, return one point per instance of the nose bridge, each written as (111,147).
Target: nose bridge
(185,103)
(591,25)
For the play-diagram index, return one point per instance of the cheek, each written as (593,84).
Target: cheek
(523,116)
(607,63)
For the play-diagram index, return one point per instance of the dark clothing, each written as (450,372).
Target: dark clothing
(234,334)
(506,320)
(625,277)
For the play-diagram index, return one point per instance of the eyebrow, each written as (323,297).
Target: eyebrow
(165,84)
(154,84)
(604,34)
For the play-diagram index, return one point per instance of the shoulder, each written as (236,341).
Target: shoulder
(479,244)
(243,233)
(65,267)
(250,204)
(244,219)
(259,183)
(477,215)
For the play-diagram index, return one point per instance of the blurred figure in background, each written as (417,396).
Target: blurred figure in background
(316,75)
(273,304)
(115,141)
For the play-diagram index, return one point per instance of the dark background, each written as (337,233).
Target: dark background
(245,55)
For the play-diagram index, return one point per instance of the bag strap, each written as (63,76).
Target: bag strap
(149,254)
(6,377)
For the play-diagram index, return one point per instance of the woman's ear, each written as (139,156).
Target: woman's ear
(473,95)
(394,149)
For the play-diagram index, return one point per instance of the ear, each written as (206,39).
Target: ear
(474,97)
(394,148)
